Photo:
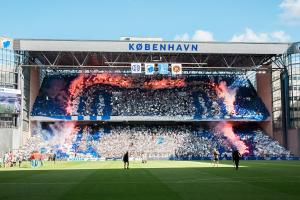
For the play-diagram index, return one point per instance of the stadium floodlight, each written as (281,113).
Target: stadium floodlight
(261,72)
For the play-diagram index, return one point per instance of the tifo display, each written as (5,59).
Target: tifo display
(176,142)
(199,97)
(227,105)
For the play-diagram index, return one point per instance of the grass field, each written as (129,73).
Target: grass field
(157,180)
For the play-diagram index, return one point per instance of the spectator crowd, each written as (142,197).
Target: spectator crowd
(155,141)
(194,96)
(200,97)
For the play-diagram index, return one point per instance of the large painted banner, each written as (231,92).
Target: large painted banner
(10,100)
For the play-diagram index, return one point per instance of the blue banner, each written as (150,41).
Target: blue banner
(149,68)
(163,68)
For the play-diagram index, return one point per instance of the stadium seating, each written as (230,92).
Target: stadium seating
(198,99)
(184,142)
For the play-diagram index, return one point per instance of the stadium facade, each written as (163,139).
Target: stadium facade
(272,68)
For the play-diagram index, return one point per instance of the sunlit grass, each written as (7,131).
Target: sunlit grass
(159,180)
(63,165)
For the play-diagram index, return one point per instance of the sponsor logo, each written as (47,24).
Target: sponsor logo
(5,43)
(176,68)
(136,68)
(149,68)
(163,68)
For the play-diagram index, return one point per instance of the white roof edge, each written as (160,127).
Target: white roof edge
(163,41)
(124,46)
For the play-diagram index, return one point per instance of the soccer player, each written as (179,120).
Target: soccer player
(32,159)
(216,157)
(19,158)
(236,158)
(11,156)
(126,160)
(54,157)
(1,161)
(144,157)
(41,157)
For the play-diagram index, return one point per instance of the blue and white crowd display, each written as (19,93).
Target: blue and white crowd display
(198,98)
(215,99)
(110,141)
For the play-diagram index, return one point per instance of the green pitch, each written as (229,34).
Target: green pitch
(156,180)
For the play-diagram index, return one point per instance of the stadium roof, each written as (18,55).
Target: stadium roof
(150,46)
(67,54)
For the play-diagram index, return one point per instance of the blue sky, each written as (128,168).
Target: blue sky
(207,20)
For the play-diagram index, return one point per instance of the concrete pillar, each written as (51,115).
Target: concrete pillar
(264,91)
(34,86)
(294,141)
(9,139)
(34,91)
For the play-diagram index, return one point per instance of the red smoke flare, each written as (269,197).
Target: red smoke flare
(82,82)
(227,129)
(228,95)
(79,84)
(164,83)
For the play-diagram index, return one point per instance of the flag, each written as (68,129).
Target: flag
(160,140)
(149,68)
(136,68)
(176,69)
(163,68)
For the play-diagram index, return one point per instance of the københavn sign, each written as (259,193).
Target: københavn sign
(161,47)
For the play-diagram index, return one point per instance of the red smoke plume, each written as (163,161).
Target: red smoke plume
(226,129)
(79,84)
(228,95)
(82,82)
(164,83)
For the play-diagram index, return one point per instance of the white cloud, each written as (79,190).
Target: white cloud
(280,36)
(199,35)
(291,11)
(250,36)
(183,37)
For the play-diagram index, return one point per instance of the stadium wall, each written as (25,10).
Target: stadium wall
(264,91)
(34,91)
(294,141)
(34,85)
(278,135)
(10,139)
